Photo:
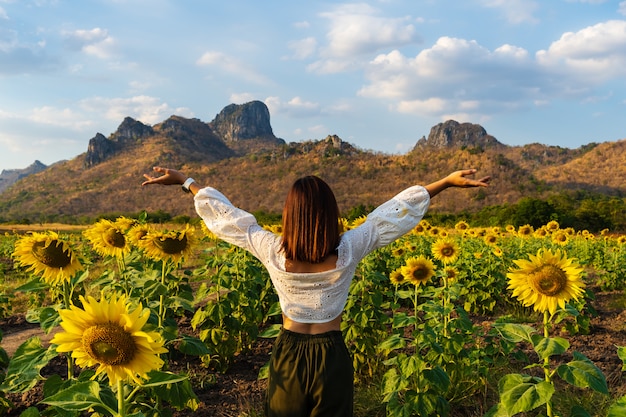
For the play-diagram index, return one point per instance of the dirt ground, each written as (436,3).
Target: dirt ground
(239,391)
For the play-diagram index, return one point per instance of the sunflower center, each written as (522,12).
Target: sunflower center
(115,238)
(447,251)
(420,274)
(548,280)
(109,344)
(51,255)
(172,245)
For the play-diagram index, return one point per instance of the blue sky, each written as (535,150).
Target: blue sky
(379,74)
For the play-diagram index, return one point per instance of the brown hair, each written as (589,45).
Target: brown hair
(310,221)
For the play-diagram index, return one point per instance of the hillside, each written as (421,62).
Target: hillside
(254,169)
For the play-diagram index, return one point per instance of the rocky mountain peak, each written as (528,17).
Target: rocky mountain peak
(101,148)
(238,122)
(131,129)
(454,134)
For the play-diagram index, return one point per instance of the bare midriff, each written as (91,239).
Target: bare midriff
(305,267)
(311,328)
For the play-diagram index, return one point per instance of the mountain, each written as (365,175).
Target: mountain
(9,177)
(238,153)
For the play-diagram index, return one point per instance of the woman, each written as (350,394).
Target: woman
(311,266)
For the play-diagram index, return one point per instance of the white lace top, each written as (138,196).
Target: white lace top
(316,297)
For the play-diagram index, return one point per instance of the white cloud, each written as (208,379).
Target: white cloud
(53,116)
(357,29)
(621,9)
(96,42)
(452,69)
(515,11)
(242,98)
(149,110)
(231,65)
(461,78)
(302,25)
(296,107)
(303,48)
(595,53)
(3,14)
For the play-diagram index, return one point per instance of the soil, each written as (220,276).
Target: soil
(238,391)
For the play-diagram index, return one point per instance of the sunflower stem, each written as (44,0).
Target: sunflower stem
(121,403)
(446,299)
(546,361)
(161,297)
(67,301)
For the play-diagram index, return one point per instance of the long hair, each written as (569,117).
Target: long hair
(310,221)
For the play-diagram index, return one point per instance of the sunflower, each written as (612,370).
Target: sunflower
(169,246)
(419,229)
(510,228)
(418,270)
(546,281)
(490,238)
(344,224)
(108,335)
(108,238)
(398,252)
(396,277)
(621,240)
(277,229)
(497,251)
(445,250)
(138,232)
(552,226)
(525,231)
(358,221)
(541,232)
(461,226)
(125,223)
(560,237)
(450,273)
(434,231)
(410,246)
(47,255)
(207,233)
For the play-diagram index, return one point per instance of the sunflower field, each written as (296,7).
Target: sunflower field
(457,321)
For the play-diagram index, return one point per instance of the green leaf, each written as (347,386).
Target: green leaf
(578,411)
(515,332)
(157,378)
(78,397)
(618,409)
(520,393)
(271,332)
(395,341)
(274,310)
(497,410)
(33,286)
(30,412)
(190,345)
(438,377)
(23,371)
(549,346)
(49,319)
(581,372)
(264,372)
(401,320)
(177,392)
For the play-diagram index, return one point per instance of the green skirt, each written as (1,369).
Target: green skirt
(310,376)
